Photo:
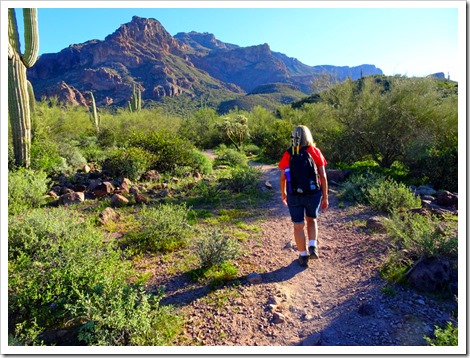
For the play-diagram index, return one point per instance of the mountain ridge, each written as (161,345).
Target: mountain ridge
(142,53)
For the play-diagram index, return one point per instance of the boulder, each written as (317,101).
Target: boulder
(103,189)
(71,198)
(430,274)
(446,198)
(108,215)
(118,201)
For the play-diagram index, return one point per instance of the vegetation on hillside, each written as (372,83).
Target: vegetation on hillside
(65,273)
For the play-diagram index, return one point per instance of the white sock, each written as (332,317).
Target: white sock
(313,242)
(304,253)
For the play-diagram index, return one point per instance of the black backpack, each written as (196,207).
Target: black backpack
(303,171)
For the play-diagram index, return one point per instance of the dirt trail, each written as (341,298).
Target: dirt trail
(339,300)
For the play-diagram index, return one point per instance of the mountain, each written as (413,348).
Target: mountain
(144,54)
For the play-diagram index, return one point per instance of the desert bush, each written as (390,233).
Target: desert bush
(170,151)
(274,139)
(125,316)
(26,190)
(230,157)
(200,162)
(387,195)
(243,177)
(161,228)
(214,247)
(356,188)
(129,162)
(45,156)
(72,155)
(55,258)
(422,235)
(447,336)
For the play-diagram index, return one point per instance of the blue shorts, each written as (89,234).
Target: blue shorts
(303,205)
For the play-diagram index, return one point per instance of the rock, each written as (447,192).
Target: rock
(424,190)
(79,188)
(377,223)
(268,185)
(446,198)
(312,340)
(86,168)
(118,201)
(103,189)
(53,194)
(337,175)
(134,190)
(151,175)
(254,278)
(278,318)
(71,198)
(108,215)
(429,274)
(367,309)
(140,199)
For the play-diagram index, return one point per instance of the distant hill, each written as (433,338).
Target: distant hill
(195,65)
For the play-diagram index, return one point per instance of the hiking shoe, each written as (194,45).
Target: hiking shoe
(313,250)
(303,261)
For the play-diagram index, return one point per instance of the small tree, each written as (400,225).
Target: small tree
(236,129)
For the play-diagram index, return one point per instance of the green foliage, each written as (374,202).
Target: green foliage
(356,188)
(163,228)
(422,235)
(214,247)
(201,129)
(26,190)
(275,139)
(387,195)
(230,157)
(200,162)
(54,258)
(235,127)
(129,162)
(448,336)
(244,178)
(170,151)
(125,316)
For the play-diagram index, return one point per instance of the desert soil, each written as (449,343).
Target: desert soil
(339,300)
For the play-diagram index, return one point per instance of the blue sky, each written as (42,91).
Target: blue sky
(399,40)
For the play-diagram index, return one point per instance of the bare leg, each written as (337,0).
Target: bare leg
(299,236)
(312,228)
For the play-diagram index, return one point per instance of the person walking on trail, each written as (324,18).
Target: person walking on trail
(304,189)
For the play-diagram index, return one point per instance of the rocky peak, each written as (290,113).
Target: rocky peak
(146,33)
(203,41)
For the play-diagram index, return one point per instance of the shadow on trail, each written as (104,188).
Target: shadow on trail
(283,273)
(190,294)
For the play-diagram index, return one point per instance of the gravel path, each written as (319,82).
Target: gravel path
(339,300)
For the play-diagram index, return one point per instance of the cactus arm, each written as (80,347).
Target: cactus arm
(94,116)
(13,36)
(31,37)
(32,100)
(19,111)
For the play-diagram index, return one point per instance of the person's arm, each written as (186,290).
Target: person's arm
(324,187)
(282,184)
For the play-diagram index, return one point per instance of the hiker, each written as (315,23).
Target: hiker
(304,202)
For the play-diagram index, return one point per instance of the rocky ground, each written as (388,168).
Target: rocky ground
(339,300)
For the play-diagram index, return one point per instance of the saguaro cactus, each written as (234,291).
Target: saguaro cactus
(94,116)
(135,104)
(19,110)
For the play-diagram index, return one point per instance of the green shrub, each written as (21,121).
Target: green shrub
(45,156)
(230,157)
(169,150)
(421,235)
(72,155)
(243,178)
(54,258)
(26,190)
(387,195)
(200,162)
(162,228)
(128,162)
(448,336)
(357,187)
(126,316)
(214,247)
